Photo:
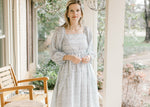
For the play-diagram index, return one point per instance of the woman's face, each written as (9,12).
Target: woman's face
(74,12)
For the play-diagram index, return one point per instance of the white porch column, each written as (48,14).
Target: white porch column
(113,62)
(23,41)
(17,39)
(90,20)
(15,31)
(6,31)
(35,36)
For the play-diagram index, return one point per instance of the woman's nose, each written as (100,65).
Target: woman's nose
(75,13)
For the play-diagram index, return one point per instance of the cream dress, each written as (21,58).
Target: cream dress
(76,84)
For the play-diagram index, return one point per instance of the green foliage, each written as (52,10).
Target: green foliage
(138,66)
(46,24)
(134,16)
(47,70)
(100,84)
(100,79)
(100,38)
(100,50)
(49,15)
(101,68)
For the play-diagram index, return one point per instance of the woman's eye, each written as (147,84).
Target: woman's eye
(71,10)
(78,10)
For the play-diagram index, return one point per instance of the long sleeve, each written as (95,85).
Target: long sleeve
(56,52)
(90,50)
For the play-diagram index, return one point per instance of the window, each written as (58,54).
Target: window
(2,36)
(1,19)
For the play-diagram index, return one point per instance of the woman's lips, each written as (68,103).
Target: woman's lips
(74,17)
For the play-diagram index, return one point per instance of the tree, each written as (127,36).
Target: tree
(147,20)
(134,19)
(49,14)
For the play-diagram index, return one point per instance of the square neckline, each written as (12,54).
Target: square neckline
(75,33)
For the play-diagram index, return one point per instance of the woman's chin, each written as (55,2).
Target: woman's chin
(75,19)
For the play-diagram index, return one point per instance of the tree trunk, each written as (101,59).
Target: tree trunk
(147,20)
(147,38)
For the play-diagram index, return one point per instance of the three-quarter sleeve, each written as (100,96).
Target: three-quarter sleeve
(56,53)
(90,50)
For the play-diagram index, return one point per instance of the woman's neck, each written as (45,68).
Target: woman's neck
(74,27)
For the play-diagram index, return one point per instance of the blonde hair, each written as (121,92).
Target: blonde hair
(67,20)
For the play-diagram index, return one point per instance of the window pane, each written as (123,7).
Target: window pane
(1,33)
(2,52)
(1,18)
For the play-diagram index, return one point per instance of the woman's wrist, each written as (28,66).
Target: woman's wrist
(67,57)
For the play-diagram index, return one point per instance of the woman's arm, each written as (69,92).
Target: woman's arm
(56,53)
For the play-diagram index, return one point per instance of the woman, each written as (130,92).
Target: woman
(71,48)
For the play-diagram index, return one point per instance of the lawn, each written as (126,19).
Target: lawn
(134,45)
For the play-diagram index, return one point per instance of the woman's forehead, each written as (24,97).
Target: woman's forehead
(74,6)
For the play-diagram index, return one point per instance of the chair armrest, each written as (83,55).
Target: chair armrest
(17,88)
(30,87)
(34,79)
(37,79)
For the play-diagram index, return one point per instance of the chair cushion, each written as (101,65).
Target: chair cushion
(18,97)
(25,103)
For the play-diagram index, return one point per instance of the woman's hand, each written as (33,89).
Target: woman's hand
(86,59)
(76,59)
(72,58)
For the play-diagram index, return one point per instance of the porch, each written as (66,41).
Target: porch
(19,42)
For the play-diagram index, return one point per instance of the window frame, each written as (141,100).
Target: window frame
(2,33)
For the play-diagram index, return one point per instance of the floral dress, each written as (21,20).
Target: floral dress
(76,84)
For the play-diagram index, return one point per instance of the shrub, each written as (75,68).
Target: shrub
(132,87)
(47,70)
(138,65)
(100,80)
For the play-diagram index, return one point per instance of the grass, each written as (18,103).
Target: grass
(134,45)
